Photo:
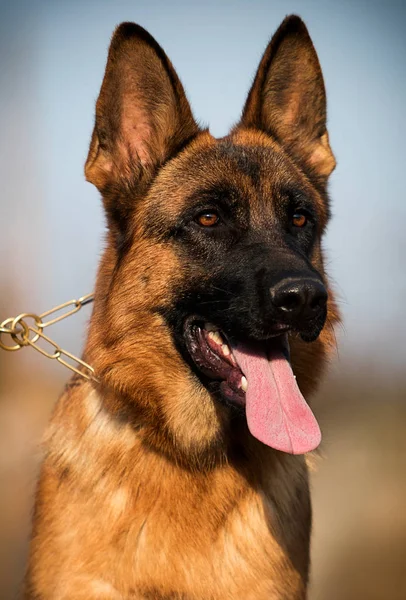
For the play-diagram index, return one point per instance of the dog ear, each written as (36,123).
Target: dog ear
(288,99)
(142,116)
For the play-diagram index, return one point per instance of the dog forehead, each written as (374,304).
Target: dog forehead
(250,167)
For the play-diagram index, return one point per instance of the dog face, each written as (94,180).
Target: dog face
(212,281)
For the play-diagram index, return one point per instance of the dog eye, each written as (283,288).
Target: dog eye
(208,219)
(299,220)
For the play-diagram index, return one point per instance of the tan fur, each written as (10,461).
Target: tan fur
(149,490)
(110,523)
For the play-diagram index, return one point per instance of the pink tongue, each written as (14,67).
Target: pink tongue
(277,413)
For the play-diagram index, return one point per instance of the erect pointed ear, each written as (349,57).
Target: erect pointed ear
(142,114)
(288,99)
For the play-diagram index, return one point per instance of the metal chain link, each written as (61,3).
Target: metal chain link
(25,334)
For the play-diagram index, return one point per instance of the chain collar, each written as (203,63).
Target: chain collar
(27,330)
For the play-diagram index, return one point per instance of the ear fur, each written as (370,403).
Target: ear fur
(142,116)
(288,99)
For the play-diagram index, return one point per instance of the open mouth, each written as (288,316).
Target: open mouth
(212,354)
(257,375)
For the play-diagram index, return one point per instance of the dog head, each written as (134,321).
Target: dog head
(212,287)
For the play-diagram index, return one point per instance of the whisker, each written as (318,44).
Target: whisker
(332,329)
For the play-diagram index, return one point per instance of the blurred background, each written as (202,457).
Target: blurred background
(52,58)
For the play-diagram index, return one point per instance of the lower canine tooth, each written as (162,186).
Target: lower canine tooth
(244,384)
(225,349)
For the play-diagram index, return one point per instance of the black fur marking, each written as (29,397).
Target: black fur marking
(244,158)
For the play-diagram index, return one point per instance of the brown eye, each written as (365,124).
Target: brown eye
(208,219)
(299,220)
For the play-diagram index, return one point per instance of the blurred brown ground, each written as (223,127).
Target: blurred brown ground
(359,485)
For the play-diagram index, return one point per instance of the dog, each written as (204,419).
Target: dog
(180,473)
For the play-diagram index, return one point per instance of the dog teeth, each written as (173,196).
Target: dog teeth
(214,334)
(244,384)
(216,337)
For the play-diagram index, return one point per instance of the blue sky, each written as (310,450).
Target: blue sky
(52,57)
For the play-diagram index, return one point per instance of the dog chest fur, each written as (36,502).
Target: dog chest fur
(231,540)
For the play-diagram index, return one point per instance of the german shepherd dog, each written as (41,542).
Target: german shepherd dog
(180,473)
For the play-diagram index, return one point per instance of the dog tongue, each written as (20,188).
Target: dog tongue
(277,413)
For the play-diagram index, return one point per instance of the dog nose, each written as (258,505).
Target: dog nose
(299,298)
